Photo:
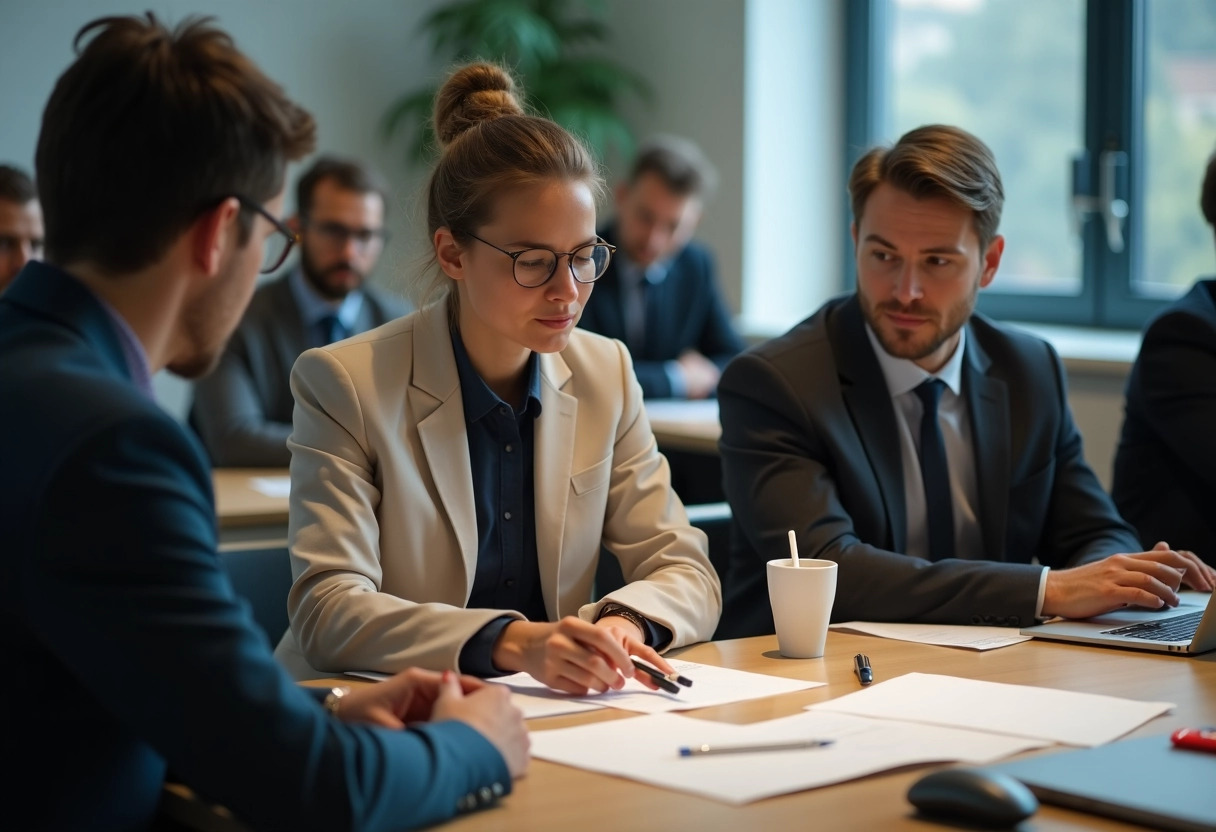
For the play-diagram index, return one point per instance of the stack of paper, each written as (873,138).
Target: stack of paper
(1017,710)
(648,749)
(912,719)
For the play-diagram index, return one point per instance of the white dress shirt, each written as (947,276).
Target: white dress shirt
(903,377)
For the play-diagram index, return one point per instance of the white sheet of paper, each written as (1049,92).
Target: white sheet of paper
(271,486)
(711,686)
(1086,719)
(947,635)
(646,748)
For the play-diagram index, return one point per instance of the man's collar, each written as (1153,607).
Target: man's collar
(903,375)
(314,307)
(653,274)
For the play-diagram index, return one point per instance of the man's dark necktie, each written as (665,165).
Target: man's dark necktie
(634,310)
(332,329)
(935,473)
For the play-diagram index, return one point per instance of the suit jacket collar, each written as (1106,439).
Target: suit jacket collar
(438,410)
(868,402)
(54,294)
(987,398)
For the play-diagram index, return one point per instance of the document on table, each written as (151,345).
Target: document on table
(646,748)
(947,635)
(271,486)
(711,686)
(1086,719)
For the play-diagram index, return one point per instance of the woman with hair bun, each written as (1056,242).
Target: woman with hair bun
(456,473)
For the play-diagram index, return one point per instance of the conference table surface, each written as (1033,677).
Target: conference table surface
(239,503)
(557,797)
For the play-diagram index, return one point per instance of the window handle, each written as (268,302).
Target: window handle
(1111,199)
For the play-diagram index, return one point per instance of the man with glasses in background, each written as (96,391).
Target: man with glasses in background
(20,223)
(242,411)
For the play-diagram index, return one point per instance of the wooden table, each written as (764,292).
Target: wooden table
(556,797)
(685,425)
(245,514)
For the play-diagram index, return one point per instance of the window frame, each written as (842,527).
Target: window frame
(1115,44)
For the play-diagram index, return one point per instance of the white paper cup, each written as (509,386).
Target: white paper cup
(802,604)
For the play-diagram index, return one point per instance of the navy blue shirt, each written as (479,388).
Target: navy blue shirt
(500,452)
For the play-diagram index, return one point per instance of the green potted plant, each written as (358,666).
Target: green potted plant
(550,45)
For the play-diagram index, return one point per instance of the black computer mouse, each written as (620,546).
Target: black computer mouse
(973,795)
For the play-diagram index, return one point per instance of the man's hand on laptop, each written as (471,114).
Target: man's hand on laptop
(1143,579)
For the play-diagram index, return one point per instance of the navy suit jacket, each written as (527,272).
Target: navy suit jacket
(1165,466)
(683,311)
(810,442)
(126,646)
(242,411)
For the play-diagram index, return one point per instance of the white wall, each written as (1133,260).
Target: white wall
(692,52)
(344,62)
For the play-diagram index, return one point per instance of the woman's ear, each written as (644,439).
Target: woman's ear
(449,253)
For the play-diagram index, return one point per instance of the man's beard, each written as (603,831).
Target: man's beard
(317,277)
(917,346)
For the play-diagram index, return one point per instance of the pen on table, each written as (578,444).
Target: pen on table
(861,664)
(698,750)
(666,681)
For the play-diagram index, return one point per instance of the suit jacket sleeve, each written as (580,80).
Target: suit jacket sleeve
(128,593)
(653,378)
(1177,392)
(1082,524)
(778,458)
(229,415)
(664,560)
(340,617)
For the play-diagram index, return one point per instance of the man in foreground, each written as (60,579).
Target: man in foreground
(129,652)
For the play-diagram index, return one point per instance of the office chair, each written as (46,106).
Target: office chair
(262,576)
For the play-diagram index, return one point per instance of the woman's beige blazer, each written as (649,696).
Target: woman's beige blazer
(383,533)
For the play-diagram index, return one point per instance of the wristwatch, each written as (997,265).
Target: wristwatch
(628,615)
(333,699)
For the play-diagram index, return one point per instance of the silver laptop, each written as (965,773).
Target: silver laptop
(1189,627)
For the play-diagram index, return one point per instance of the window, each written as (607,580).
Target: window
(1101,114)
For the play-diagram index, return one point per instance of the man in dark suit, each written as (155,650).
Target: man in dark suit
(1165,466)
(128,651)
(927,450)
(242,411)
(660,294)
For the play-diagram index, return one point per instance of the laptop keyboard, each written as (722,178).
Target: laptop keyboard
(1178,628)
